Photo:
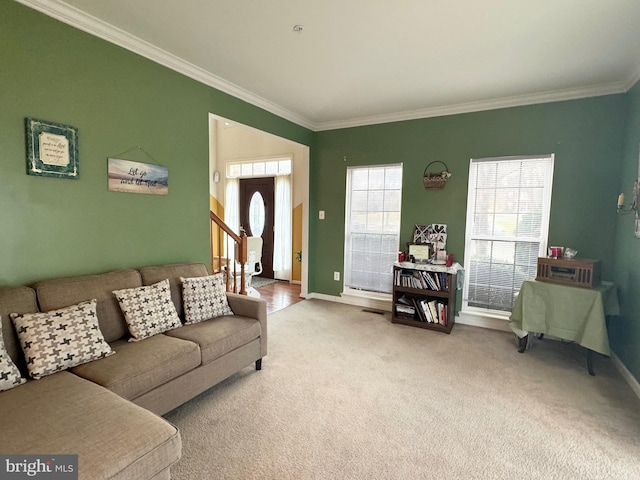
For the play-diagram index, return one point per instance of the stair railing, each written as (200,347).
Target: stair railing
(223,239)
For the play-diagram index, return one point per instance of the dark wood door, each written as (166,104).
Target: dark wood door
(259,190)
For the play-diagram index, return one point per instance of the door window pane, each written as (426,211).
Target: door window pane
(256,214)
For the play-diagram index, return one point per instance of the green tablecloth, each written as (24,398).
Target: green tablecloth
(570,313)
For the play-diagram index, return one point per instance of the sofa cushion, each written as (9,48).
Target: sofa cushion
(173,272)
(60,339)
(62,292)
(148,310)
(20,300)
(65,414)
(140,367)
(220,335)
(9,374)
(204,298)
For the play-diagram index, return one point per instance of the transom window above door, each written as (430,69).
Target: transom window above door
(269,167)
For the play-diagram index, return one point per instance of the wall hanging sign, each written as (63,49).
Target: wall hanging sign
(136,177)
(52,149)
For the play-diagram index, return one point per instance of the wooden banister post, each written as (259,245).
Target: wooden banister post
(242,253)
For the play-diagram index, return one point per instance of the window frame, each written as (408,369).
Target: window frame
(349,290)
(543,238)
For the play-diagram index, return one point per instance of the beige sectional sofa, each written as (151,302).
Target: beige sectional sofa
(107,411)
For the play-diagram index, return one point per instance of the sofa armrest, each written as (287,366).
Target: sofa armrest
(251,307)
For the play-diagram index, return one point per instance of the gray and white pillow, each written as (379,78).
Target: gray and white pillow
(204,298)
(148,310)
(9,374)
(60,339)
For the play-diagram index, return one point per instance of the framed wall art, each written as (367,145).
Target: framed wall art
(421,252)
(435,234)
(52,149)
(135,177)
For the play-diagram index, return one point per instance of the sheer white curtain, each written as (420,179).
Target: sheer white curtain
(283,228)
(232,211)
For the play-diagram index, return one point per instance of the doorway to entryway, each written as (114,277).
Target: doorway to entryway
(257,216)
(238,152)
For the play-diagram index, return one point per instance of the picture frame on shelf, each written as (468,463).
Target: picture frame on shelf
(421,252)
(421,234)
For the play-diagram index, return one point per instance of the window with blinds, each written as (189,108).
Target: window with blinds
(372,230)
(508,207)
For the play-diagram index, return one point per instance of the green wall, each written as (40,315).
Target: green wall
(117,100)
(585,136)
(624,330)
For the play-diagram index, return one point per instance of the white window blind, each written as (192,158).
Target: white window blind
(507,223)
(372,230)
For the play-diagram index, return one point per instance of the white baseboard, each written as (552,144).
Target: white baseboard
(626,374)
(385,305)
(482,321)
(353,300)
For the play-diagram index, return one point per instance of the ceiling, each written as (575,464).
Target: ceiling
(359,62)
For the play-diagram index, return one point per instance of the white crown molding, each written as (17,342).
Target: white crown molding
(493,104)
(94,26)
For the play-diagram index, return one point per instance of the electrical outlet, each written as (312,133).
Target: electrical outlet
(336,276)
(321,215)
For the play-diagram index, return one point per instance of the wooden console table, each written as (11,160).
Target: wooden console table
(569,313)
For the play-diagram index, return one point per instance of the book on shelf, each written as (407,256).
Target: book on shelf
(438,279)
(420,279)
(405,301)
(429,280)
(442,313)
(419,310)
(434,311)
(425,312)
(405,307)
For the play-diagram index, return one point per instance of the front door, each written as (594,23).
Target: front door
(256,216)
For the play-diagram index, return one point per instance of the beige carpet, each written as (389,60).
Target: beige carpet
(346,394)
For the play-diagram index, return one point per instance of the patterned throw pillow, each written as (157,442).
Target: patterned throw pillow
(204,298)
(9,374)
(148,310)
(60,339)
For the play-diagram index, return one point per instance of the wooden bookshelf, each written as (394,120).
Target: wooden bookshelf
(424,295)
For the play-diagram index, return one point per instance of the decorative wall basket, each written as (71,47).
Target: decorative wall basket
(436,180)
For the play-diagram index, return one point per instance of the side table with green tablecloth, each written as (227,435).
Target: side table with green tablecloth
(569,313)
